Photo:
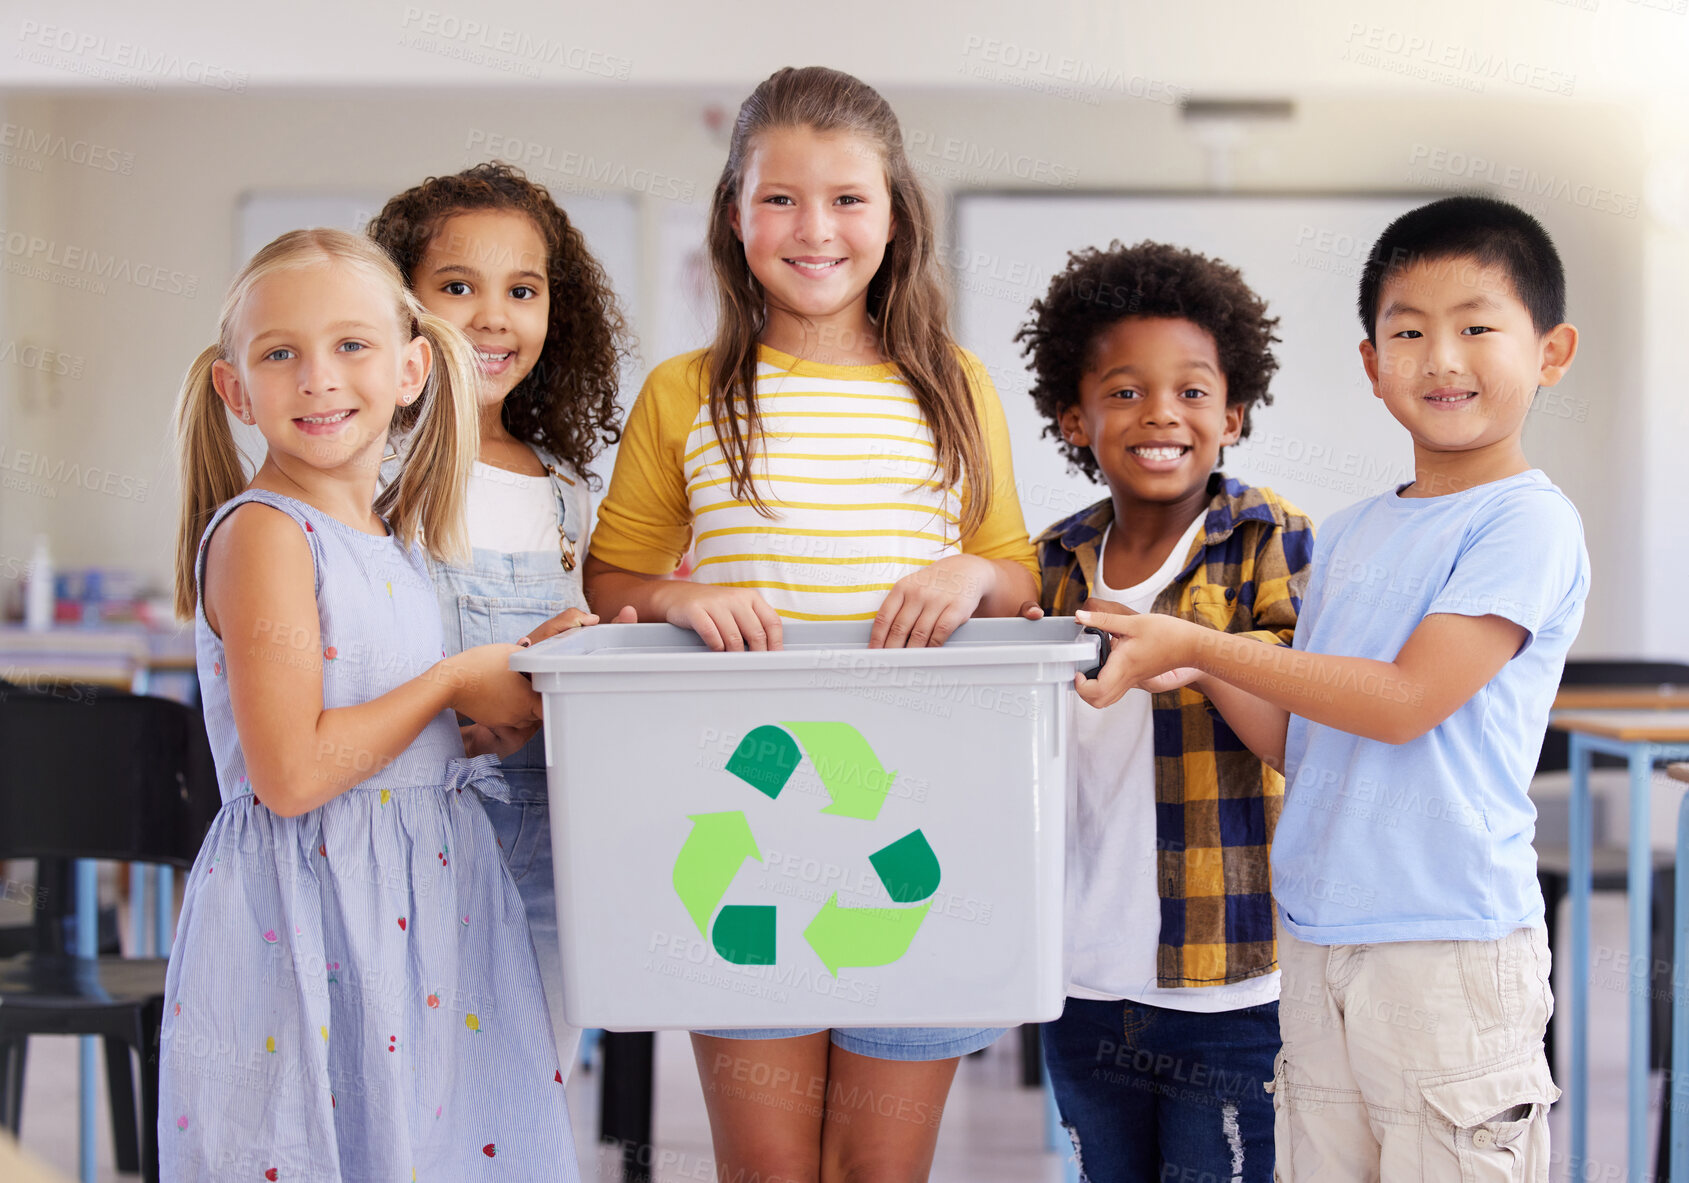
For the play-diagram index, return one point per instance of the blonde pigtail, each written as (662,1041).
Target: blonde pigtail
(431,493)
(210,468)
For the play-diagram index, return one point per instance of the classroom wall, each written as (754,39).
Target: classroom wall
(185,160)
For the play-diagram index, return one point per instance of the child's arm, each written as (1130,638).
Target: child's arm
(1283,565)
(503,742)
(1260,725)
(995,575)
(1447,659)
(923,609)
(260,598)
(733,618)
(572,618)
(645,521)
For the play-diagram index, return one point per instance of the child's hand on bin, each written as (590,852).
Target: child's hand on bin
(725,618)
(573,618)
(484,687)
(1148,653)
(1172,679)
(924,608)
(503,742)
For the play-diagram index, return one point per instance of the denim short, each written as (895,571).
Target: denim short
(884,1043)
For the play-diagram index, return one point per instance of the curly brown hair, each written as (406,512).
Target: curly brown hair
(567,403)
(1100,288)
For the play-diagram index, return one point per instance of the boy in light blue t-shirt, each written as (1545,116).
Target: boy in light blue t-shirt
(1408,716)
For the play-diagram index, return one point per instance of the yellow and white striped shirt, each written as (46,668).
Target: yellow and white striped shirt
(847,464)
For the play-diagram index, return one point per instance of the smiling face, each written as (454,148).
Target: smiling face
(1152,410)
(319,364)
(485,272)
(814,214)
(1457,359)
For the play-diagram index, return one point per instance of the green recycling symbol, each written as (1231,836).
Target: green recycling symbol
(720,843)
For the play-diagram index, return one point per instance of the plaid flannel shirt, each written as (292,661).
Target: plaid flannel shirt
(1215,803)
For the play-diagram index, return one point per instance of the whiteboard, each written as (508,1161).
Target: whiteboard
(1326,442)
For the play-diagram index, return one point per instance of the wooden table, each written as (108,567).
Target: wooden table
(1622,698)
(1677,1087)
(1643,738)
(124,657)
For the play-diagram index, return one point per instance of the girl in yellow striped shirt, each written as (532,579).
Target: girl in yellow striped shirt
(834,455)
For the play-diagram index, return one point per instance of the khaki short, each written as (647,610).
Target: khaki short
(1413,1060)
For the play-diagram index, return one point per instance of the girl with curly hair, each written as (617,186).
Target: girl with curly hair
(489,251)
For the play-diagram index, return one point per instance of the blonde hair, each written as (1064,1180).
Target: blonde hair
(906,298)
(441,428)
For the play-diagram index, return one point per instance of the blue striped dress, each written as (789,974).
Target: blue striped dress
(353,994)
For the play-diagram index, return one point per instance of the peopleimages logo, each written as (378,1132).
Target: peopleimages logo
(1470,166)
(487,44)
(33,472)
(88,53)
(35,257)
(958,158)
(534,156)
(37,144)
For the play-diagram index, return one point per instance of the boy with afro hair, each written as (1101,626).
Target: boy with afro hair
(1148,361)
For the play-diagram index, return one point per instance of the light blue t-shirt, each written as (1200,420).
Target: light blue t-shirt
(1428,840)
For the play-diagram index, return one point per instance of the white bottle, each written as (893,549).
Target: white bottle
(38,598)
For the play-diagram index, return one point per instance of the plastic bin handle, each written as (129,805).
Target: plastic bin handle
(1104,643)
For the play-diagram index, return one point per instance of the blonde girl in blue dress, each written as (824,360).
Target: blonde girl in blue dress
(352,993)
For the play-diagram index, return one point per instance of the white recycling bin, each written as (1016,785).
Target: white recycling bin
(822,836)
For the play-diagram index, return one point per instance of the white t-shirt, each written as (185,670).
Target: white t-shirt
(509,511)
(1113,907)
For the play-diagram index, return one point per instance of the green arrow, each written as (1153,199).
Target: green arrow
(765,759)
(706,865)
(847,767)
(744,934)
(862,936)
(907,867)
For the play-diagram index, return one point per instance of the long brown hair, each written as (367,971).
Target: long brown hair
(567,403)
(906,298)
(430,493)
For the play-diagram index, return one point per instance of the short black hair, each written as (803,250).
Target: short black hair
(1100,288)
(1490,232)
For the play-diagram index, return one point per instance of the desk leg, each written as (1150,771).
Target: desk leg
(138,910)
(1640,977)
(1677,1096)
(1577,892)
(165,903)
(87,945)
(624,1112)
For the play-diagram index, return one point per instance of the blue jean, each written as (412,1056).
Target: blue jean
(1150,1093)
(499,597)
(886,1043)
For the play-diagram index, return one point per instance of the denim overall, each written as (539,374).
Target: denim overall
(499,597)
